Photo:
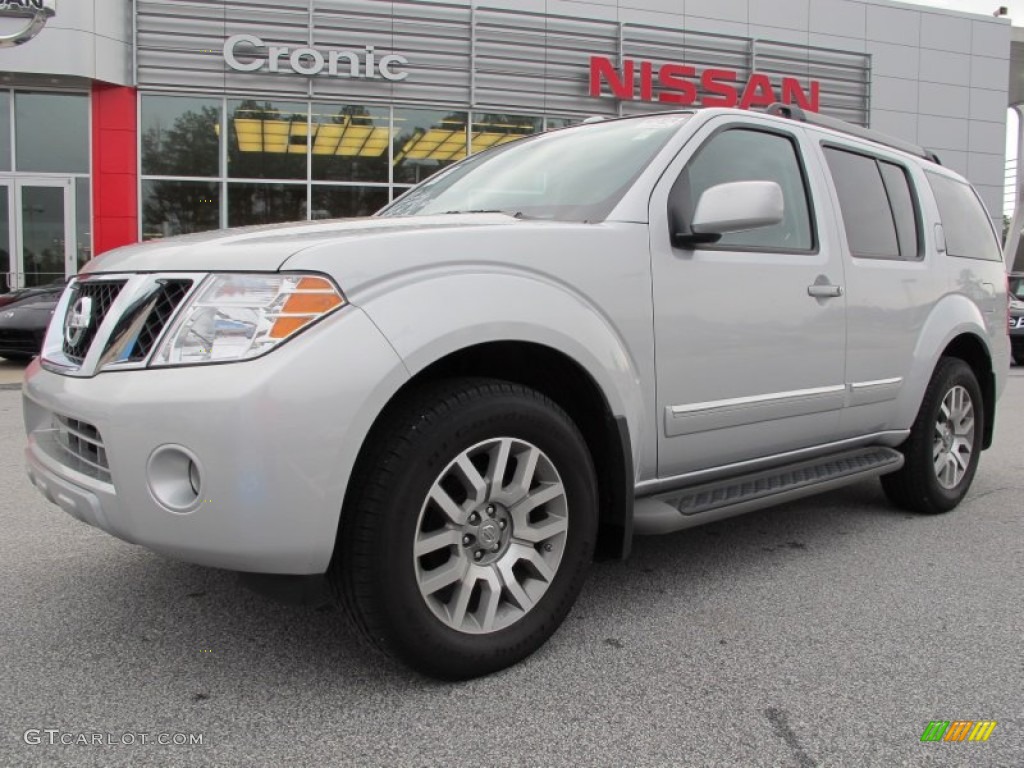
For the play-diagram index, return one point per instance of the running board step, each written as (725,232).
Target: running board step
(706,503)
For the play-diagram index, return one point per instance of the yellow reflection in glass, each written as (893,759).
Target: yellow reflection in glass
(285,136)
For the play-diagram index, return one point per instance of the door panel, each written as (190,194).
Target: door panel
(749,364)
(892,286)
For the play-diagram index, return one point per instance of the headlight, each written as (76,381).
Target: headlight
(240,316)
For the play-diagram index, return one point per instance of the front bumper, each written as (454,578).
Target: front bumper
(275,440)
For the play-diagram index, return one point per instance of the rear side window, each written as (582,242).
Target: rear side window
(877,204)
(968,230)
(740,154)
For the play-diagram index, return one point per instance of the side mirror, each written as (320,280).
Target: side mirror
(735,207)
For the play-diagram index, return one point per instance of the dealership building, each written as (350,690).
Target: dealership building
(122,120)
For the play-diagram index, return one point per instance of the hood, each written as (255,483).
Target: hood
(266,248)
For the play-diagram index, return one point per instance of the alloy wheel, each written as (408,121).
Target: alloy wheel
(491,535)
(953,442)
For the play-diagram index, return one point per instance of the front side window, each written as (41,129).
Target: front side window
(968,230)
(877,205)
(577,174)
(740,154)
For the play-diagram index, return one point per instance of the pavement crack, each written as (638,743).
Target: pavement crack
(780,724)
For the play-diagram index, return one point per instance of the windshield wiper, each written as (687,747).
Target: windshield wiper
(515,214)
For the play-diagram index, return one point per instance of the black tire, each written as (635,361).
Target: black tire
(916,487)
(1018,358)
(374,572)
(16,358)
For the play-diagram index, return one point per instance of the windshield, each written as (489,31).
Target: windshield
(575,174)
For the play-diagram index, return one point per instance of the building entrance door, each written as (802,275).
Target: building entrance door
(43,233)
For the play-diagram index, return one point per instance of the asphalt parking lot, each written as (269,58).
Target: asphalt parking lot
(827,632)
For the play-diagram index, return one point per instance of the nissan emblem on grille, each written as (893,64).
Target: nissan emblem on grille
(78,321)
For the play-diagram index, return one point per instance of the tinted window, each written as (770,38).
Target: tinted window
(870,229)
(967,227)
(904,212)
(745,155)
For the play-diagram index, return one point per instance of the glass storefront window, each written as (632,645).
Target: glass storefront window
(350,143)
(180,136)
(298,160)
(52,132)
(344,202)
(492,130)
(5,131)
(426,141)
(267,140)
(83,223)
(265,203)
(179,207)
(551,123)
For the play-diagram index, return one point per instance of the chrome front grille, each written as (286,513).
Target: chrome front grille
(138,330)
(96,296)
(113,321)
(81,447)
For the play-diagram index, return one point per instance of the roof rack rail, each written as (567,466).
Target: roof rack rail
(813,118)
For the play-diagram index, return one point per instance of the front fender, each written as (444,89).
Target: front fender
(430,313)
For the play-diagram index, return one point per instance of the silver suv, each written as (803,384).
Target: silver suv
(450,408)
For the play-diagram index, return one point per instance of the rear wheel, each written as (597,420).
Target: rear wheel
(469,536)
(941,455)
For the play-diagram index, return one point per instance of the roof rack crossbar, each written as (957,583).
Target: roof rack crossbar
(794,112)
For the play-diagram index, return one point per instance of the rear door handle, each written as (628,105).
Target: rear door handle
(824,291)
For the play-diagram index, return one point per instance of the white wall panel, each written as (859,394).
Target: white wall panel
(893,25)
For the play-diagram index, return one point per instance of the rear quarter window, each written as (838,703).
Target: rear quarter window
(965,223)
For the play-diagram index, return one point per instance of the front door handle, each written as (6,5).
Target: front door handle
(824,291)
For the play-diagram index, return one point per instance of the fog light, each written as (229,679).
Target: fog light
(174,478)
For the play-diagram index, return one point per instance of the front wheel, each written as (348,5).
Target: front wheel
(468,537)
(941,455)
